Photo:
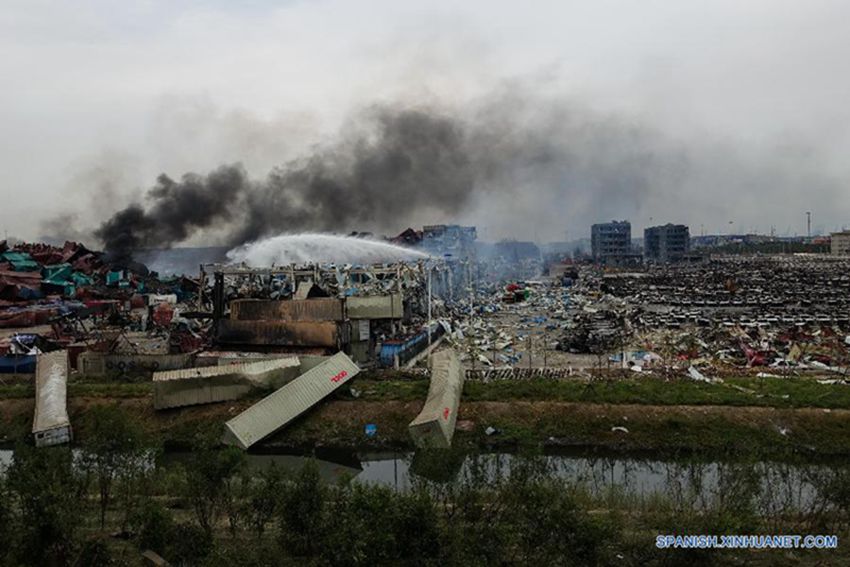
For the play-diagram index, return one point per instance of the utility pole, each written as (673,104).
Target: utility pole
(809,224)
(429,305)
(545,365)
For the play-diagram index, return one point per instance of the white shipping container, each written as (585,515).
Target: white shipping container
(277,409)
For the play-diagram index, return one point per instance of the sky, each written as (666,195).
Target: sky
(724,115)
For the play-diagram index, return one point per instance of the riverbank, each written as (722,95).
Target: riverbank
(711,429)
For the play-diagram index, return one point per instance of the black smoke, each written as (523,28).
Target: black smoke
(514,162)
(403,161)
(176,210)
(392,166)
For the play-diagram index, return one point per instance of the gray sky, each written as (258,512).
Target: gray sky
(745,102)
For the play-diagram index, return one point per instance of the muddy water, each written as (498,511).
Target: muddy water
(777,484)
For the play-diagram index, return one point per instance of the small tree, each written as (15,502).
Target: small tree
(113,450)
(49,495)
(209,482)
(262,499)
(302,513)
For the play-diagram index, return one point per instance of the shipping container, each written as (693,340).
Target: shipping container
(276,410)
(282,333)
(435,425)
(51,425)
(375,307)
(210,384)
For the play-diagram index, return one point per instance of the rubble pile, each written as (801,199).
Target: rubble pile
(745,291)
(71,295)
(782,312)
(596,332)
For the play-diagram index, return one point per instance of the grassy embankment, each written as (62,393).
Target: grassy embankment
(768,415)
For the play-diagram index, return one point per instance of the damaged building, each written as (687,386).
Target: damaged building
(361,311)
(666,243)
(449,240)
(611,243)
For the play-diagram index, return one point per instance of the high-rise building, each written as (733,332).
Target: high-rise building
(666,243)
(839,243)
(611,242)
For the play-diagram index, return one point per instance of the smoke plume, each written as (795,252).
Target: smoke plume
(394,165)
(176,210)
(512,162)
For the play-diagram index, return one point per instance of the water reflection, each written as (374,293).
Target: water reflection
(774,485)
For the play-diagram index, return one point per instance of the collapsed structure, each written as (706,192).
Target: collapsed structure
(363,311)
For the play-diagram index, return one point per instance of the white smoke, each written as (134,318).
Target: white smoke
(305,248)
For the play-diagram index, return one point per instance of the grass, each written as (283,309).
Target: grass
(796,392)
(83,389)
(758,392)
(762,392)
(738,392)
(672,420)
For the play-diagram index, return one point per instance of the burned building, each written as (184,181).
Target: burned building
(611,242)
(516,251)
(321,310)
(666,243)
(451,240)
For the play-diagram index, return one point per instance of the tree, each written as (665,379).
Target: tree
(48,494)
(302,513)
(114,450)
(209,482)
(263,493)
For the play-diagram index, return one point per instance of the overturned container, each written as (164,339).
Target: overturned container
(210,384)
(277,409)
(434,427)
(51,425)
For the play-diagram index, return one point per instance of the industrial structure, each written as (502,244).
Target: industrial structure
(449,240)
(666,243)
(376,314)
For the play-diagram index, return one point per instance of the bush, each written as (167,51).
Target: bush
(189,544)
(49,496)
(301,514)
(154,527)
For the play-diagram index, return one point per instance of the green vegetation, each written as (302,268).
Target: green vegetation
(759,392)
(792,392)
(82,389)
(213,509)
(770,415)
(797,392)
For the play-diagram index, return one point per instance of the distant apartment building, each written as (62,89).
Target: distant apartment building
(611,242)
(451,240)
(839,243)
(666,243)
(517,251)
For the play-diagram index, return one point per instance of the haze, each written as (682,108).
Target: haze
(720,115)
